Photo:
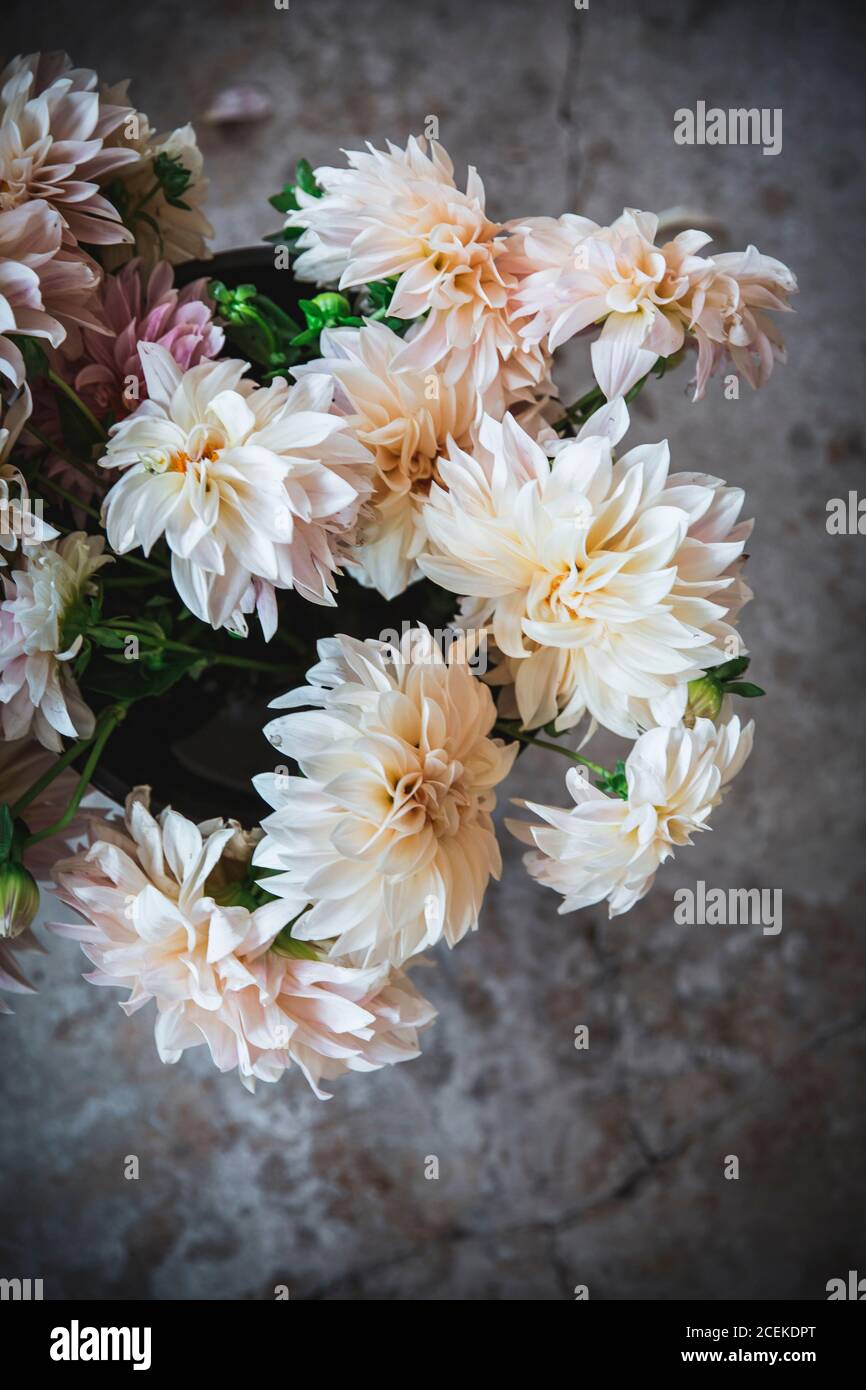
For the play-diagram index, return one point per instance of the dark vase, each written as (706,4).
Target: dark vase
(199,745)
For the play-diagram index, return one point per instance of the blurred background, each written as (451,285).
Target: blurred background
(557,1167)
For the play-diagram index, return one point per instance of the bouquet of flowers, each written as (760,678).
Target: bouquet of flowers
(199,479)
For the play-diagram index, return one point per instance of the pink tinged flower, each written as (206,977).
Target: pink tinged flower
(729,314)
(53,124)
(608,848)
(616,276)
(136,306)
(43,288)
(22,762)
(162,920)
(254,488)
(39,696)
(386,843)
(21,522)
(603,581)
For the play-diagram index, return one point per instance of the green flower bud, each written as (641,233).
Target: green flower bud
(19,900)
(331,305)
(705,699)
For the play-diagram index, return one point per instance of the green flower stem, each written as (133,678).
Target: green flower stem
(127,582)
(244,662)
(554,747)
(106,725)
(294,643)
(77,464)
(59,765)
(158,571)
(143,201)
(580,411)
(69,497)
(248,314)
(77,402)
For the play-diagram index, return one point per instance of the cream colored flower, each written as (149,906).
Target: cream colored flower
(164,230)
(53,125)
(253,488)
(405,420)
(39,638)
(603,581)
(386,842)
(606,847)
(170,918)
(398,213)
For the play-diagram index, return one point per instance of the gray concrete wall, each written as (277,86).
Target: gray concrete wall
(557,1167)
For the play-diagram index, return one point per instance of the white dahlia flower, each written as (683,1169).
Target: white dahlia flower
(52,126)
(254,488)
(39,637)
(605,582)
(398,213)
(607,847)
(170,918)
(405,420)
(386,842)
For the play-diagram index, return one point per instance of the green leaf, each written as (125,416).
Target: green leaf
(107,637)
(78,435)
(36,362)
(305,179)
(286,945)
(744,688)
(7,832)
(614,783)
(132,680)
(729,669)
(286,236)
(285,200)
(173,178)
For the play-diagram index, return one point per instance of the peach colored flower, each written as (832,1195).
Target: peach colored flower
(399,213)
(729,314)
(612,275)
(404,419)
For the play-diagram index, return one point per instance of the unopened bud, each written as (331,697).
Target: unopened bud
(332,305)
(19,900)
(705,700)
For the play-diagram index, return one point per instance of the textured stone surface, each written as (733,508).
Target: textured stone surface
(557,1167)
